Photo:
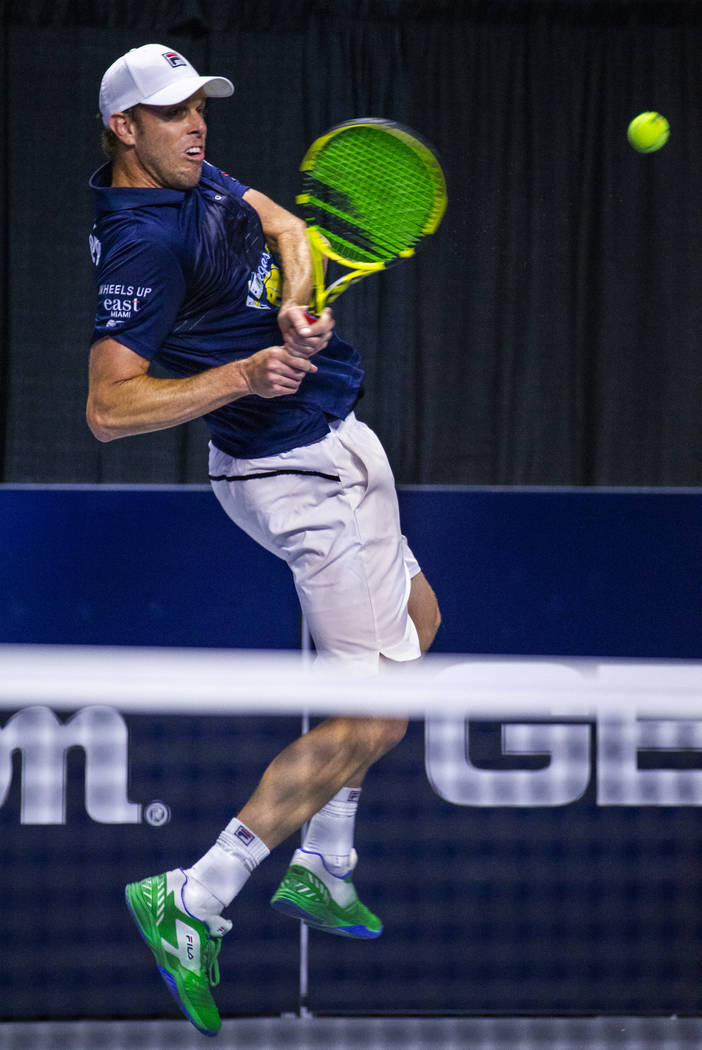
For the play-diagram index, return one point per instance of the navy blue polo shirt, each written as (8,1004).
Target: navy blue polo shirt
(186,279)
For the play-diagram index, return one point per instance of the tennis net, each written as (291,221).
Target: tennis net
(533,848)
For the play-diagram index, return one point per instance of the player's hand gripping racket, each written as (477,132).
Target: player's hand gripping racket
(371,189)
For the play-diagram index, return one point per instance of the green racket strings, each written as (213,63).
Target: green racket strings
(372,194)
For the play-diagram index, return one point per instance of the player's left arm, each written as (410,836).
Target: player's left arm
(286,234)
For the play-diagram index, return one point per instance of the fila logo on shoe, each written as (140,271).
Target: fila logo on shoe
(188,950)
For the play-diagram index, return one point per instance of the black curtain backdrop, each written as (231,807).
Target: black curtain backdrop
(548,334)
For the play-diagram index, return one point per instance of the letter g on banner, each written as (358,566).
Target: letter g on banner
(455,778)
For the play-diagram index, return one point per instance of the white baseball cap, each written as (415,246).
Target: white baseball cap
(155,75)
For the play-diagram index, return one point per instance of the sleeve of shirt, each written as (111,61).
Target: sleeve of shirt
(229,182)
(140,289)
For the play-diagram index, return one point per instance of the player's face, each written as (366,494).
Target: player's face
(169,143)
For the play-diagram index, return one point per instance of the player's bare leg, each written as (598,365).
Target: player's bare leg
(311,779)
(317,886)
(303,777)
(317,778)
(337,753)
(424,610)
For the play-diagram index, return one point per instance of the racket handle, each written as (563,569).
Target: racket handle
(309,316)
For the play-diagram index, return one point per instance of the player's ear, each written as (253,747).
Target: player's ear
(122,125)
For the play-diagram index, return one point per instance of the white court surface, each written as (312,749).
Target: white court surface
(362,1033)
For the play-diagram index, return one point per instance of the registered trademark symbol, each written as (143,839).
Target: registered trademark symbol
(157,814)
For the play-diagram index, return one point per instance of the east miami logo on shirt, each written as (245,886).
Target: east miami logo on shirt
(121,301)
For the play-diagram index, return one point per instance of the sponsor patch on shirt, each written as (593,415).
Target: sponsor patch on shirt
(120,302)
(264,284)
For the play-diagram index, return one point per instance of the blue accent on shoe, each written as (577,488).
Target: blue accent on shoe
(173,989)
(324,900)
(294,911)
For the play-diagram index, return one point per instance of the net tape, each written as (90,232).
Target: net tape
(215,681)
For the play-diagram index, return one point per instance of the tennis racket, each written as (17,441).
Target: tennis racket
(371,190)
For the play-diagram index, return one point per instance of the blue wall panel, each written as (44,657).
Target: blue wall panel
(578,572)
(137,567)
(573,572)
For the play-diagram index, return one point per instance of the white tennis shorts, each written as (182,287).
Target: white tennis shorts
(330,511)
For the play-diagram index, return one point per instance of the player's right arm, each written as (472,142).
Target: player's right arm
(123,399)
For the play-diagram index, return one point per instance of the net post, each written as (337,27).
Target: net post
(303,985)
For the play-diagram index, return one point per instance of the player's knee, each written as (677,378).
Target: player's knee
(423,608)
(384,734)
(368,739)
(428,629)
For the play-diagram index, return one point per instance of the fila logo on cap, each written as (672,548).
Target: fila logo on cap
(174,59)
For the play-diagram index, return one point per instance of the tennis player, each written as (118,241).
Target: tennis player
(210,278)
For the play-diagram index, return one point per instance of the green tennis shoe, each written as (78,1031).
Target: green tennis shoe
(309,891)
(185,948)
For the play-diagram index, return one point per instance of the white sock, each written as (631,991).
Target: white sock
(330,831)
(215,879)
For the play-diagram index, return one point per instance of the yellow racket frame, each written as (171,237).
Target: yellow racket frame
(320,247)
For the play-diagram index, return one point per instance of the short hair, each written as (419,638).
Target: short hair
(108,140)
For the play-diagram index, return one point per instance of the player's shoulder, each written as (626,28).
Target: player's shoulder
(216,178)
(131,232)
(126,240)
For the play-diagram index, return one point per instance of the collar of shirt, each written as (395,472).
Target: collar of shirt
(119,198)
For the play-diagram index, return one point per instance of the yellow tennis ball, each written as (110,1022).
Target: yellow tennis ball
(648,132)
